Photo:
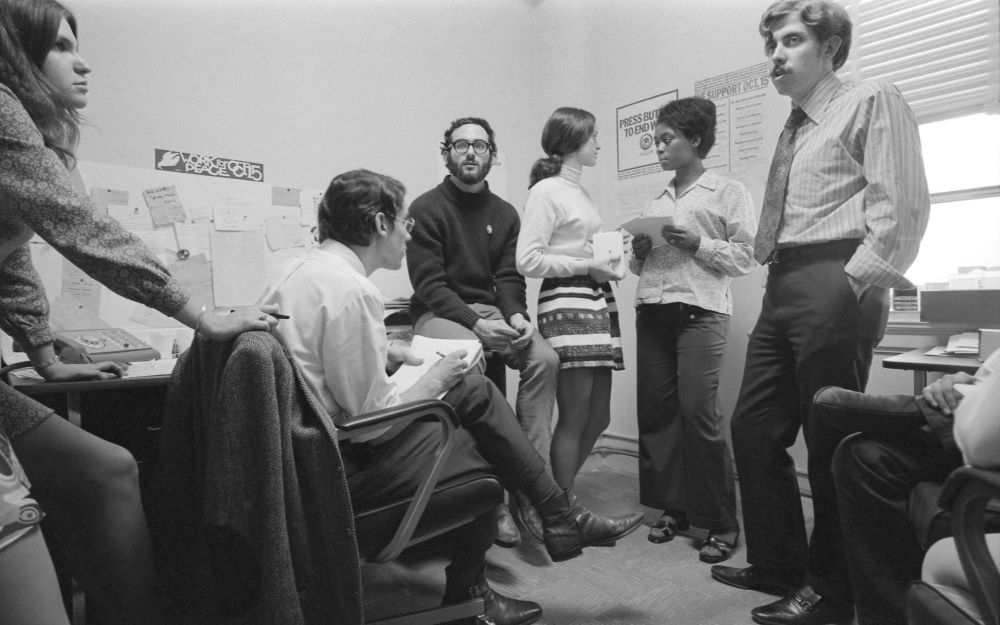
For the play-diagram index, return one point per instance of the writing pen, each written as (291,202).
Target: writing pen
(275,315)
(441,355)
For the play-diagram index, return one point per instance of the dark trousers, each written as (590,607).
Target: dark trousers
(684,460)
(490,439)
(812,332)
(874,474)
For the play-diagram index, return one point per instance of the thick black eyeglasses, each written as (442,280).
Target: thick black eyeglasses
(478,146)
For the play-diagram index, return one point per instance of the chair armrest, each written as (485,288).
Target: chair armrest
(967,492)
(851,411)
(6,369)
(400,415)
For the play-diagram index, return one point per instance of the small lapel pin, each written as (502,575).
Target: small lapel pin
(489,229)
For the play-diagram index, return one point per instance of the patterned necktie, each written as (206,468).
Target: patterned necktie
(777,186)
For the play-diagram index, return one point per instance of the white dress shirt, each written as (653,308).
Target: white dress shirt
(335,329)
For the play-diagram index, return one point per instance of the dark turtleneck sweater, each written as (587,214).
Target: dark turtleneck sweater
(462,252)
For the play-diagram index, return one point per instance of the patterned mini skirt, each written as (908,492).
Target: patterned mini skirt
(579,318)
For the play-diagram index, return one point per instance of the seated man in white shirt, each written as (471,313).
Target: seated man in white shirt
(921,439)
(336,334)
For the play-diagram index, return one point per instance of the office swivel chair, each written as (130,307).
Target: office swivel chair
(253,516)
(967,494)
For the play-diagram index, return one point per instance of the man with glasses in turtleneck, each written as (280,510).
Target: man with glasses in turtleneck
(465,283)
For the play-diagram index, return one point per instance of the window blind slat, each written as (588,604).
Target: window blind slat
(942,54)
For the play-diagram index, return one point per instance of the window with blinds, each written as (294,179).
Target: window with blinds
(944,55)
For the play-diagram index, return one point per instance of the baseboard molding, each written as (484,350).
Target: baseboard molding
(621,453)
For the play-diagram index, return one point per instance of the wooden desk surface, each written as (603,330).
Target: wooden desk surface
(41,387)
(918,360)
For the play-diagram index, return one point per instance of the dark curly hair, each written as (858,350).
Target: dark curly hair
(347,212)
(823,18)
(692,117)
(462,121)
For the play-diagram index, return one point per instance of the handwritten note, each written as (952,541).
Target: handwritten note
(164,205)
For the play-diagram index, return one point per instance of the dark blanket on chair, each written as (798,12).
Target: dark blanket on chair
(251,514)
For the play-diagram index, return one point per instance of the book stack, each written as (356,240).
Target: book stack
(904,299)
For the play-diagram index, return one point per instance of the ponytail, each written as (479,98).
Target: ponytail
(545,167)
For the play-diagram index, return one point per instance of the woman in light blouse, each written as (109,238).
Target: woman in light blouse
(683,305)
(576,308)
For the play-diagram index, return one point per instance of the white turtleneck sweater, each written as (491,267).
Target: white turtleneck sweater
(559,221)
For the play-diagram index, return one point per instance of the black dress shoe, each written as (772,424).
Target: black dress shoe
(574,527)
(802,607)
(527,517)
(754,578)
(499,609)
(507,534)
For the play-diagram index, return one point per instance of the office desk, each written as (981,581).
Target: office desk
(920,363)
(74,391)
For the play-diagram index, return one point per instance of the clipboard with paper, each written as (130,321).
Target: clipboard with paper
(429,349)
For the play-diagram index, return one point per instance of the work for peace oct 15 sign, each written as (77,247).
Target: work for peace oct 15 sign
(207,165)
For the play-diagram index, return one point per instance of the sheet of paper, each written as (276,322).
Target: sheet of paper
(131,217)
(285,196)
(283,233)
(430,350)
(310,200)
(608,245)
(82,288)
(195,276)
(194,238)
(650,226)
(235,217)
(164,205)
(103,197)
(235,257)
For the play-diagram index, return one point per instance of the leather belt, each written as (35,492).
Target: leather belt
(800,254)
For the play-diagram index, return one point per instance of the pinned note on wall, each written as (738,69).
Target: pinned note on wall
(285,196)
(164,205)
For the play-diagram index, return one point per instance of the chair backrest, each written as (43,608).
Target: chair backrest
(251,475)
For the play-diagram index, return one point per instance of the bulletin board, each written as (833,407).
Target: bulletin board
(222,239)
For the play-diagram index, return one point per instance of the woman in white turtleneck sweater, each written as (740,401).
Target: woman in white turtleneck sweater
(576,309)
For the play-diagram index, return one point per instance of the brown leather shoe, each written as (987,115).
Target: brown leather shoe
(499,609)
(802,607)
(507,534)
(754,578)
(574,527)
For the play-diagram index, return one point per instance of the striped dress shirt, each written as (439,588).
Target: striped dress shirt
(858,173)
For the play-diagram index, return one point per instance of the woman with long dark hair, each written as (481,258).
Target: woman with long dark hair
(89,486)
(576,308)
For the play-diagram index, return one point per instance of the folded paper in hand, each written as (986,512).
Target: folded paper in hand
(608,245)
(650,226)
(428,349)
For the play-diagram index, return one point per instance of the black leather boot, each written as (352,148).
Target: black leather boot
(499,609)
(569,527)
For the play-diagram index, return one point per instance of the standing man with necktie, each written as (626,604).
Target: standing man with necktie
(845,207)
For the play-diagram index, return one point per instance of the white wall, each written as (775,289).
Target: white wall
(312,88)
